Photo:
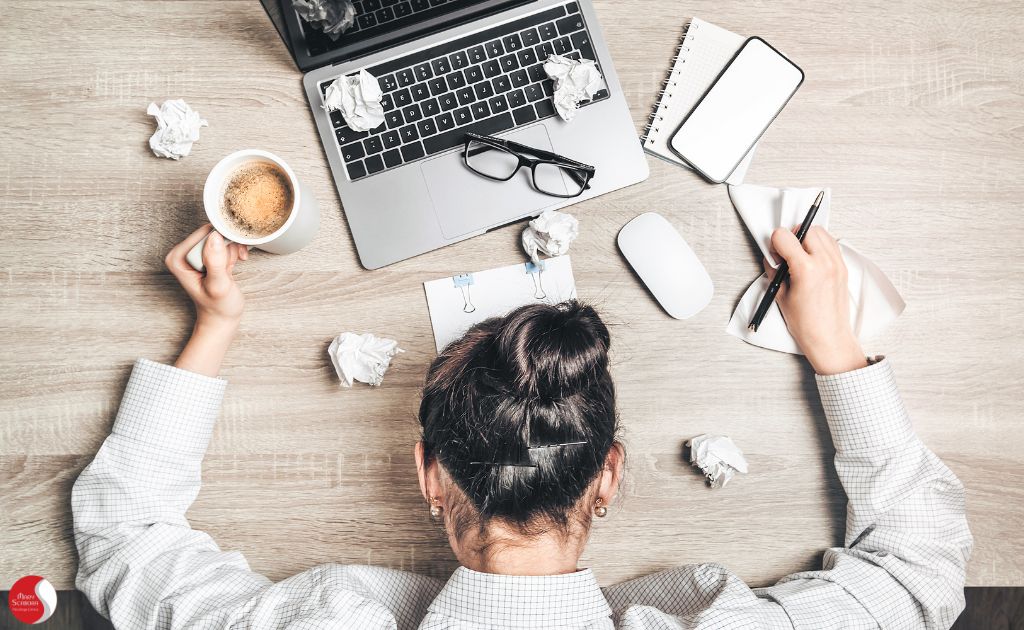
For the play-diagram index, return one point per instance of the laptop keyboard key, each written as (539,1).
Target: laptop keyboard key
(438,86)
(548,31)
(498,104)
(501,84)
(441,66)
(423,72)
(392,158)
(477,54)
(388,83)
(412,152)
(537,72)
(484,90)
(544,51)
(386,14)
(366,20)
(574,7)
(474,74)
(403,9)
(420,5)
(430,108)
(355,170)
(466,95)
(353,152)
(534,92)
(427,127)
(509,63)
(402,98)
(390,139)
(530,37)
(494,49)
(463,116)
(563,46)
(581,42)
(519,78)
(412,113)
(394,119)
(420,91)
(480,110)
(544,108)
(459,60)
(524,115)
(456,80)
(445,121)
(448,102)
(409,134)
(457,137)
(387,102)
(346,135)
(491,68)
(374,164)
(373,145)
(405,77)
(512,42)
(516,98)
(527,57)
(570,24)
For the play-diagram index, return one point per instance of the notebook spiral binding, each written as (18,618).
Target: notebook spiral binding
(651,129)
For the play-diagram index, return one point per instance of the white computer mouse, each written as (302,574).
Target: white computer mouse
(666,264)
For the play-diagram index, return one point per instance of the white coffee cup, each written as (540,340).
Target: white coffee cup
(298,230)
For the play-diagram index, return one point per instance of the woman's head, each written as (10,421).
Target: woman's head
(518,422)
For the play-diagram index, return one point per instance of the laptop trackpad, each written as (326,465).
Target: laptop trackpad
(466,202)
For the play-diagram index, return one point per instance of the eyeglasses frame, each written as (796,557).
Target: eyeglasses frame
(574,168)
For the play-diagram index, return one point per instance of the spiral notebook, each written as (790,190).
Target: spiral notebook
(704,52)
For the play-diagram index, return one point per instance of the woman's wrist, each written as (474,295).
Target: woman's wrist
(209,343)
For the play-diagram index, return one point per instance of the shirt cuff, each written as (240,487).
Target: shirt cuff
(169,408)
(864,408)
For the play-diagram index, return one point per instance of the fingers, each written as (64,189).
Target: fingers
(787,245)
(178,265)
(216,257)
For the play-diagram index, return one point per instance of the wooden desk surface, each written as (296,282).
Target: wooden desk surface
(912,112)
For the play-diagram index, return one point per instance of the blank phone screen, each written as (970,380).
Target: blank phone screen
(737,109)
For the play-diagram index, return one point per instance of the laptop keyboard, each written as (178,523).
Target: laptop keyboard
(371,14)
(484,83)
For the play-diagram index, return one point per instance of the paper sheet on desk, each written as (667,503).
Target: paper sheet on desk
(874,304)
(459,302)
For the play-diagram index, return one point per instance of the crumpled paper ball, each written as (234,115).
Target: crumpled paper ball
(177,127)
(358,98)
(333,17)
(551,233)
(718,458)
(364,358)
(575,82)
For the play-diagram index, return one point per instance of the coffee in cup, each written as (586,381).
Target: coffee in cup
(257,199)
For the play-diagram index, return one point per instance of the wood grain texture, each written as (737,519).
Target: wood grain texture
(913,113)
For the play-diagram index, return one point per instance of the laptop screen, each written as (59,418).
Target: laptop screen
(377,24)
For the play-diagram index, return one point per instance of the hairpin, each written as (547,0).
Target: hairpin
(526,460)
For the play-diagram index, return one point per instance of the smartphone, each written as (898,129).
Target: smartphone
(736,110)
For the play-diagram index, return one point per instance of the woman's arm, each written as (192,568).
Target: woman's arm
(140,563)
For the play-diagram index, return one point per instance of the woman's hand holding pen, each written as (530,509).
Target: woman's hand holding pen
(815,301)
(218,300)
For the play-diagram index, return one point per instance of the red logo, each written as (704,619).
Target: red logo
(32,599)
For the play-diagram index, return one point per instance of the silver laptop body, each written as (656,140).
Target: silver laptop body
(427,202)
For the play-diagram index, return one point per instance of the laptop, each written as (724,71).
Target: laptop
(448,68)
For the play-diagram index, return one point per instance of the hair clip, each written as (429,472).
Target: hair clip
(526,460)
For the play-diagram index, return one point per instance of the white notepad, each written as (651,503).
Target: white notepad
(703,54)
(459,302)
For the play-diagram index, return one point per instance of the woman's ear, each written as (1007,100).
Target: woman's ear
(611,476)
(428,473)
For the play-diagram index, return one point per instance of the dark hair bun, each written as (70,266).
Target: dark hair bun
(499,401)
(553,352)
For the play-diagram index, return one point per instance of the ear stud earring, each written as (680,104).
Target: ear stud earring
(600,511)
(435,508)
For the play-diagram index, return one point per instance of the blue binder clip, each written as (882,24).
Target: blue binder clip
(536,271)
(462,283)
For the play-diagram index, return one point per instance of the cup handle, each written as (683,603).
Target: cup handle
(195,255)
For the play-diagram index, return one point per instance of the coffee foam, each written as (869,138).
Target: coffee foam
(257,199)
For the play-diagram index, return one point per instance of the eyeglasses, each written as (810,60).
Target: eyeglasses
(500,160)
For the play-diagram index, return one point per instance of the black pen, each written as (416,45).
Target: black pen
(782,274)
